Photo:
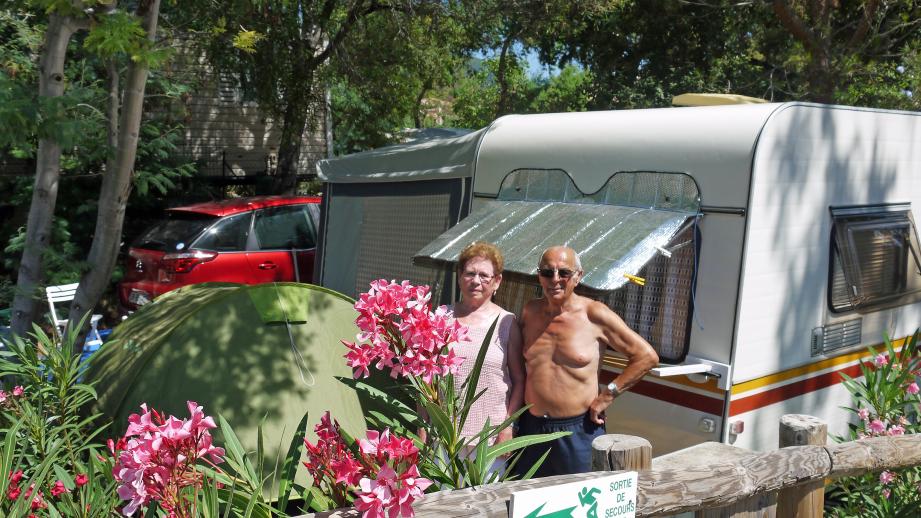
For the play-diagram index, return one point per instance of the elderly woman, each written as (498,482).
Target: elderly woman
(479,269)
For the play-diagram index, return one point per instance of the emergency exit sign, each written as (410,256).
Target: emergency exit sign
(612,496)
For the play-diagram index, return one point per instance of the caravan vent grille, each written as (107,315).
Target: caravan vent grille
(836,336)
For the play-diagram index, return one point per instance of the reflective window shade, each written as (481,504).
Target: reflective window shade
(643,189)
(539,185)
(663,191)
(660,311)
(874,263)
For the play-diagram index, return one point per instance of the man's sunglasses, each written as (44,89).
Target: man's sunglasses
(564,273)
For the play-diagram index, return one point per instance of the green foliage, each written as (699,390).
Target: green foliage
(641,54)
(568,91)
(476,96)
(78,121)
(116,33)
(62,259)
(21,39)
(388,77)
(44,433)
(155,168)
(246,40)
(886,402)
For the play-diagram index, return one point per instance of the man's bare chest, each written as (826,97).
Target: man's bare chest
(563,342)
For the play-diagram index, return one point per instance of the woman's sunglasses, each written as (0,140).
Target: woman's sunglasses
(564,273)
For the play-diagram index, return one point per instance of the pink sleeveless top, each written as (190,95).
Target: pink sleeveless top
(494,376)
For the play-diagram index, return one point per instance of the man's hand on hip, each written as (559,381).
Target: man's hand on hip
(598,406)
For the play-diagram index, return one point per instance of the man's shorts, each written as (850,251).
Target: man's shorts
(570,454)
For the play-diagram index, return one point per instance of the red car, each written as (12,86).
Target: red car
(243,240)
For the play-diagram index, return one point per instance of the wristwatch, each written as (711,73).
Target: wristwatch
(612,388)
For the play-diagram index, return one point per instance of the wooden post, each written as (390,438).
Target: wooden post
(617,452)
(806,500)
(758,506)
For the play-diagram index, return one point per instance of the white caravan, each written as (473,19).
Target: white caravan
(759,248)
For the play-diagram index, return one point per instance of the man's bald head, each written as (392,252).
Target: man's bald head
(561,253)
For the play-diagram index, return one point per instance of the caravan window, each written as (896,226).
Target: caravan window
(874,258)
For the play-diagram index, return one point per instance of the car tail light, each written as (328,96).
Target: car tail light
(185,261)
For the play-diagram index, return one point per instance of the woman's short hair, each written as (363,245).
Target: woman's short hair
(487,251)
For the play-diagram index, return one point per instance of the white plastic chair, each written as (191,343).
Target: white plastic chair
(65,293)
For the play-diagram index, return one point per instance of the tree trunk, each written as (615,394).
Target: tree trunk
(116,184)
(114,103)
(418,115)
(816,39)
(502,77)
(294,123)
(47,172)
(821,77)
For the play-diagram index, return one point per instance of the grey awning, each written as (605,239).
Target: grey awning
(434,159)
(610,240)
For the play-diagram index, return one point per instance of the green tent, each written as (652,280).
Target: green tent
(245,352)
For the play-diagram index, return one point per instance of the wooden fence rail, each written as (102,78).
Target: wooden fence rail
(710,479)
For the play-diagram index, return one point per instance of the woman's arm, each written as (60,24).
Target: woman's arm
(515,362)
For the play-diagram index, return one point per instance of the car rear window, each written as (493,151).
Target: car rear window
(174,232)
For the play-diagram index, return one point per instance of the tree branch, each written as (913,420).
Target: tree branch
(795,25)
(327,10)
(357,11)
(869,13)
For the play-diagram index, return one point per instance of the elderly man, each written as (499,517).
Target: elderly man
(564,337)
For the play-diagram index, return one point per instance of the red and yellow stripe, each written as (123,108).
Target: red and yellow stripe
(678,390)
(749,395)
(774,388)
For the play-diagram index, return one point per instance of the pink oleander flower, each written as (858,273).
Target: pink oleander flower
(81,480)
(156,458)
(863,414)
(38,502)
(347,470)
(397,484)
(375,496)
(399,332)
(896,430)
(115,447)
(881,360)
(13,492)
(390,495)
(886,477)
(16,476)
(58,489)
(912,388)
(3,396)
(383,476)
(877,426)
(329,460)
(886,492)
(18,391)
